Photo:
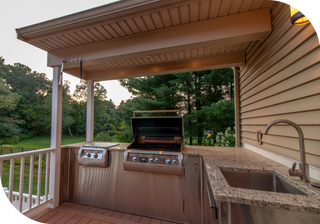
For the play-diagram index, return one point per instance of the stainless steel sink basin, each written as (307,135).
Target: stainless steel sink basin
(259,181)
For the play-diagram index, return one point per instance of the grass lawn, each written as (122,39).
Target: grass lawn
(30,144)
(44,142)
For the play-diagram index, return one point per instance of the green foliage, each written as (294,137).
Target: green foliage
(8,99)
(154,92)
(25,134)
(8,130)
(218,116)
(226,139)
(22,95)
(8,121)
(102,137)
(33,89)
(6,149)
(10,140)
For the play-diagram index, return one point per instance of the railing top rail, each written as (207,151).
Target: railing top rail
(24,154)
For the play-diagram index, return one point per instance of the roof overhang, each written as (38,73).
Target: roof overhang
(144,37)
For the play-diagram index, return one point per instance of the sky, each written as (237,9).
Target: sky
(18,13)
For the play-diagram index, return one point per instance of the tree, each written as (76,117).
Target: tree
(202,88)
(219,116)
(67,108)
(8,102)
(154,92)
(105,115)
(33,89)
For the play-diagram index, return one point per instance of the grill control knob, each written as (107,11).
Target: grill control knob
(174,162)
(89,155)
(95,155)
(168,160)
(135,158)
(156,159)
(151,159)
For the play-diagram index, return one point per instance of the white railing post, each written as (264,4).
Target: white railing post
(56,116)
(21,199)
(90,111)
(11,176)
(39,178)
(30,182)
(47,177)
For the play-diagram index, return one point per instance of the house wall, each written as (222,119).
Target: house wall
(281,80)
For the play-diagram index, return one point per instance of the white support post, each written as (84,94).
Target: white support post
(90,111)
(56,118)
(237,105)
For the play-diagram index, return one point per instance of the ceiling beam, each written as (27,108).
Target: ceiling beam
(178,66)
(238,28)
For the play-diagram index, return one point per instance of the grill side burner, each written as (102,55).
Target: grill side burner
(95,154)
(156,146)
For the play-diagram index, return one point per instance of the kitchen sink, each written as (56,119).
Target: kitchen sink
(259,181)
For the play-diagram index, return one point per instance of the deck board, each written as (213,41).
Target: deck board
(36,216)
(69,213)
(64,219)
(47,216)
(74,219)
(56,217)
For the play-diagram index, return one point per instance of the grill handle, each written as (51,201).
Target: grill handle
(155,111)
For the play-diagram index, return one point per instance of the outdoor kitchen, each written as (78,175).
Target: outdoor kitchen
(157,178)
(183,184)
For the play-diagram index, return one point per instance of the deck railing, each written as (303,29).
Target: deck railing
(25,199)
(22,156)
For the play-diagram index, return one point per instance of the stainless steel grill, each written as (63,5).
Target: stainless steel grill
(157,144)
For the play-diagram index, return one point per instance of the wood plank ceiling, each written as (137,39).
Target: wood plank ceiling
(163,18)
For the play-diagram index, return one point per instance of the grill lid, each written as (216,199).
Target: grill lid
(157,133)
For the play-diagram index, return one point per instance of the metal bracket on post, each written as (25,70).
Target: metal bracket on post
(61,72)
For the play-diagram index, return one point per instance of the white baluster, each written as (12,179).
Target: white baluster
(39,178)
(47,177)
(31,181)
(11,173)
(21,199)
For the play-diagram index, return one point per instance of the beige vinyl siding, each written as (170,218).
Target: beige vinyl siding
(281,80)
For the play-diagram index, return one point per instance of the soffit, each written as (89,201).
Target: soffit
(127,19)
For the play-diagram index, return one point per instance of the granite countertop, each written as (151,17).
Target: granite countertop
(119,147)
(241,159)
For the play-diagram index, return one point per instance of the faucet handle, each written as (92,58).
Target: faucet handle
(294,166)
(259,137)
(293,171)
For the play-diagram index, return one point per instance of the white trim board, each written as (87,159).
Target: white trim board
(314,171)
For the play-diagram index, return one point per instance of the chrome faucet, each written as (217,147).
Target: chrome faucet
(303,173)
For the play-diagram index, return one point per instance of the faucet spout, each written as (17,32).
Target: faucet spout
(304,167)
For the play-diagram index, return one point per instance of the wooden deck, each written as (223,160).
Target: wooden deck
(70,213)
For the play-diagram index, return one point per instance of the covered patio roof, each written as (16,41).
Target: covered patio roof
(151,37)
